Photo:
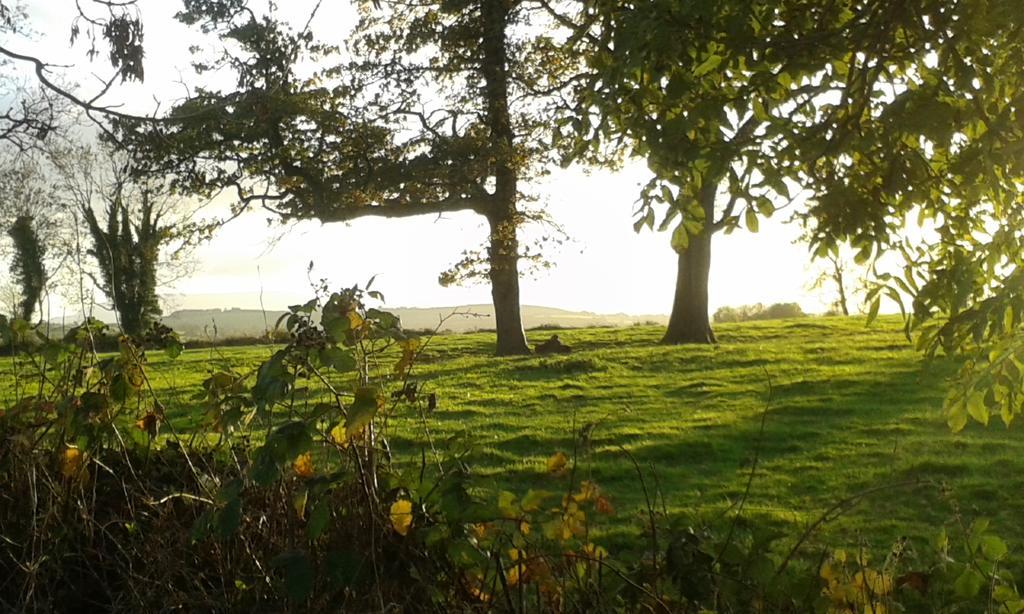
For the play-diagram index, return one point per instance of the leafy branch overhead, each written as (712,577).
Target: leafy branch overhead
(437,108)
(327,145)
(888,116)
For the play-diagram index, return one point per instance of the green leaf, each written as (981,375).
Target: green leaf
(976,407)
(384,319)
(969,584)
(173,349)
(534,499)
(339,359)
(760,113)
(709,64)
(289,441)
(264,469)
(864,253)
(765,206)
(229,519)
(507,505)
(992,547)
(319,517)
(980,525)
(680,238)
(93,403)
(336,325)
(666,195)
(649,218)
(750,217)
(957,417)
(298,573)
(362,410)
(343,568)
(873,310)
(273,380)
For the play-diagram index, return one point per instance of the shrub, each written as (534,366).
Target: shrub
(298,502)
(757,311)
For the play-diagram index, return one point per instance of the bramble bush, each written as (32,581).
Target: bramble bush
(290,498)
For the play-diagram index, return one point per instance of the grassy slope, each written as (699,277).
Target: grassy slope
(852,408)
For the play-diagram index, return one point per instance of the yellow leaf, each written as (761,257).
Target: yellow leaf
(553,529)
(827,573)
(72,462)
(354,319)
(533,499)
(512,574)
(480,594)
(409,349)
(515,571)
(479,531)
(595,552)
(303,466)
(976,407)
(557,462)
(401,516)
(588,491)
(339,436)
(573,522)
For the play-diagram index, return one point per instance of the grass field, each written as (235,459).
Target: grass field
(851,408)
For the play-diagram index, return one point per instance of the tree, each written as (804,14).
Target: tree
(933,139)
(835,271)
(30,210)
(131,222)
(890,114)
(126,252)
(27,266)
(735,103)
(442,108)
(844,271)
(704,92)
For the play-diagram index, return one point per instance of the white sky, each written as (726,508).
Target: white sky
(607,268)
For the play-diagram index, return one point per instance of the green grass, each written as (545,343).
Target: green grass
(852,408)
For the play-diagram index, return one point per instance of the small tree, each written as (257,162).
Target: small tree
(126,247)
(27,266)
(30,211)
(835,270)
(130,222)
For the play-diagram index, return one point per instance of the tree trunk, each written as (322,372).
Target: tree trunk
(504,273)
(689,322)
(503,251)
(841,284)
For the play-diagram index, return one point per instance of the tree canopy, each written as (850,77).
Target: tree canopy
(441,107)
(877,110)
(27,266)
(890,115)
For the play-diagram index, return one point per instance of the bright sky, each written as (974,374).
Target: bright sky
(606,268)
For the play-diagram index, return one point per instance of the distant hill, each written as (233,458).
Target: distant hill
(227,323)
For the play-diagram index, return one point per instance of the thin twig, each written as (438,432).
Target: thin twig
(837,510)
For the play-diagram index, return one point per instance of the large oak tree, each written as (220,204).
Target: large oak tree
(440,107)
(892,115)
(873,107)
